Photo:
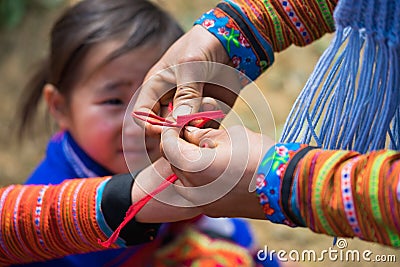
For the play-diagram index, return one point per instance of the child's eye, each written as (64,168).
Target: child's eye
(113,101)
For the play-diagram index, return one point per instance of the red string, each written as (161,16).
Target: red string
(201,119)
(135,208)
(181,121)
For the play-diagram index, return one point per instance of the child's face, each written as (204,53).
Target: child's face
(98,103)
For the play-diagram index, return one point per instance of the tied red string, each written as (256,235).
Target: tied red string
(200,119)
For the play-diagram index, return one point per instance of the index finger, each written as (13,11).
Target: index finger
(157,90)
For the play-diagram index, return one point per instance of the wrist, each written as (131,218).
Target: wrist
(264,144)
(216,51)
(116,200)
(240,39)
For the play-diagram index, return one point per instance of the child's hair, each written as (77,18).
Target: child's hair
(89,22)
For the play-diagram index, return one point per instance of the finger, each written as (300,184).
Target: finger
(209,104)
(203,138)
(171,205)
(174,148)
(187,99)
(167,143)
(190,82)
(182,154)
(225,85)
(152,94)
(152,129)
(222,93)
(183,186)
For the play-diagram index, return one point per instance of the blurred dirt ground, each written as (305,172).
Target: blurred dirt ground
(22,47)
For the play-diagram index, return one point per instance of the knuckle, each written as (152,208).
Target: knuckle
(190,56)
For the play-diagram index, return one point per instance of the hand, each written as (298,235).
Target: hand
(185,73)
(168,205)
(217,168)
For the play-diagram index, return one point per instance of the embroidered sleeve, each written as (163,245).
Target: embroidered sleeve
(336,192)
(270,180)
(252,30)
(42,222)
(344,193)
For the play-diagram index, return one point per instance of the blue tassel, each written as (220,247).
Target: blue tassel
(352,98)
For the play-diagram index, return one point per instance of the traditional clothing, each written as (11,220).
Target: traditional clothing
(351,101)
(65,160)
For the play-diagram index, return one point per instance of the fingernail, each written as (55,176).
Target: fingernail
(190,128)
(208,107)
(182,110)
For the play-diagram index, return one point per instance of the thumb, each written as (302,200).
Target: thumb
(190,78)
(205,138)
(187,99)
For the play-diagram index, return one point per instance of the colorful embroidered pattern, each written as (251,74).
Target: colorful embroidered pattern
(34,229)
(269,180)
(236,44)
(348,198)
(333,191)
(193,248)
(291,13)
(251,31)
(338,193)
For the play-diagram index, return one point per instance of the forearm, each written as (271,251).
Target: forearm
(351,194)
(252,30)
(339,193)
(48,222)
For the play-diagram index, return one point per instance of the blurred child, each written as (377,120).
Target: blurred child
(100,52)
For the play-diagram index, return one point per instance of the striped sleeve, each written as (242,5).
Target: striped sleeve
(252,30)
(335,192)
(344,193)
(42,222)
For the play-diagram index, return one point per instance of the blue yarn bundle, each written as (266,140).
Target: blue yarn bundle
(352,98)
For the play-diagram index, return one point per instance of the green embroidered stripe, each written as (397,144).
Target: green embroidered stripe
(326,14)
(325,168)
(280,40)
(374,189)
(394,237)
(374,184)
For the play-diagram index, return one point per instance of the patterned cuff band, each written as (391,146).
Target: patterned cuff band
(116,201)
(270,180)
(250,54)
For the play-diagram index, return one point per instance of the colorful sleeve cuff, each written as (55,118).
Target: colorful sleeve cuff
(275,183)
(250,53)
(100,217)
(116,200)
